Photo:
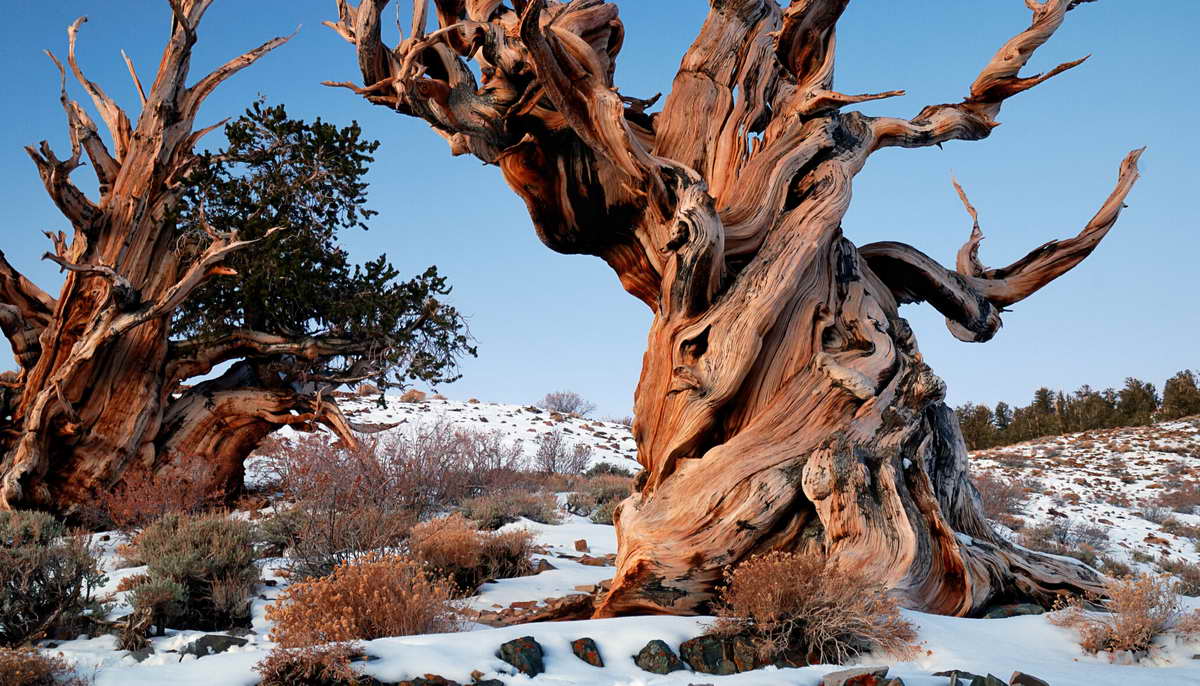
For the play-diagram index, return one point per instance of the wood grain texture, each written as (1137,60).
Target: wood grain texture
(783,403)
(99,385)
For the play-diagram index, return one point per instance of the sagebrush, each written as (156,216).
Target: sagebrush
(373,597)
(795,608)
(47,578)
(1140,609)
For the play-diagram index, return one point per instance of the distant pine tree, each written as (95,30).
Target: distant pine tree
(1181,396)
(1137,402)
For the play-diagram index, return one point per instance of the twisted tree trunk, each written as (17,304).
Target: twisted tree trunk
(783,403)
(99,383)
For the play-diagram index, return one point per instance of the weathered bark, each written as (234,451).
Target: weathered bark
(97,388)
(783,403)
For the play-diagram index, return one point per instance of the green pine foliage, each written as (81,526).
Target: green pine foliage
(308,180)
(1050,413)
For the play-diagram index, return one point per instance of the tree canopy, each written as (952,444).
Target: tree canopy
(294,186)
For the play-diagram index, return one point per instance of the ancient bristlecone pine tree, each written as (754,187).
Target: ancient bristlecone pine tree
(783,403)
(101,382)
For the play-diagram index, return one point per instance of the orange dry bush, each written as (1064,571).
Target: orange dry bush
(375,596)
(1141,608)
(453,548)
(143,496)
(28,667)
(795,607)
(311,666)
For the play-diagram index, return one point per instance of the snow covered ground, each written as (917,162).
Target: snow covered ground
(1119,467)
(1110,480)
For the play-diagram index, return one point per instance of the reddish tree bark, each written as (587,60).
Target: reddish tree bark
(783,403)
(100,386)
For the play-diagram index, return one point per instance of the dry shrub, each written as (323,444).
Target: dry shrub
(318,540)
(608,468)
(143,496)
(29,667)
(419,471)
(1141,608)
(494,510)
(413,395)
(1061,537)
(1183,498)
(47,575)
(599,491)
(556,456)
(1154,512)
(794,607)
(453,548)
(311,666)
(1188,574)
(372,597)
(604,514)
(1178,528)
(200,571)
(567,402)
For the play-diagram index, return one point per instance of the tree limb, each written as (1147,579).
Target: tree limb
(972,298)
(975,117)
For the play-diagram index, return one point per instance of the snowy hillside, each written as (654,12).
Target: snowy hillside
(611,442)
(1113,480)
(1133,493)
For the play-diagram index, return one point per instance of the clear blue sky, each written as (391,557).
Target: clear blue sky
(545,321)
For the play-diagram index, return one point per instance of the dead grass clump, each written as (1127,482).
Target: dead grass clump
(29,667)
(494,510)
(796,608)
(453,548)
(1141,608)
(373,597)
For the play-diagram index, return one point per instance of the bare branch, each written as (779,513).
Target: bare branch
(1029,274)
(112,114)
(972,298)
(967,262)
(205,86)
(136,81)
(25,311)
(975,117)
(205,266)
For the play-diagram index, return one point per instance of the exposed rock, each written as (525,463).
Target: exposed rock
(429,680)
(582,546)
(1014,610)
(859,676)
(719,655)
(542,565)
(958,676)
(658,658)
(211,644)
(523,653)
(1023,679)
(585,649)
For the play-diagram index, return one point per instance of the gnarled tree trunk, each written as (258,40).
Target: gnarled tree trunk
(99,387)
(783,403)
